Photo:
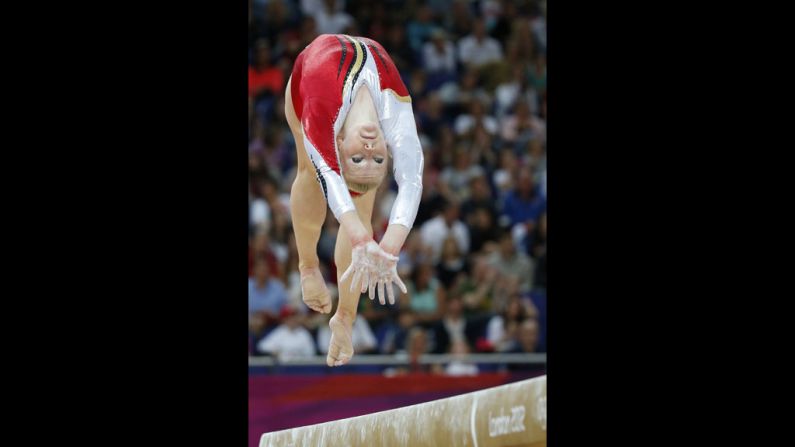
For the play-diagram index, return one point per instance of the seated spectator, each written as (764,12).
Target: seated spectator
(436,230)
(426,294)
(439,59)
(528,335)
(458,176)
(451,264)
(502,332)
(288,341)
(503,176)
(524,205)
(520,127)
(454,326)
(478,48)
(476,290)
(514,90)
(266,297)
(509,262)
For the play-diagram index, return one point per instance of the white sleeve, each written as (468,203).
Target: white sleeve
(272,342)
(400,131)
(334,188)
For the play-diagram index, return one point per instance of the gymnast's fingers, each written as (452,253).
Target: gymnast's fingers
(381,297)
(391,292)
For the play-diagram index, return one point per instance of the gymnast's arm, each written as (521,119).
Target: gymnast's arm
(337,195)
(400,131)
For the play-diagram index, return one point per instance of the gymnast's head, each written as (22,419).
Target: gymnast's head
(363,156)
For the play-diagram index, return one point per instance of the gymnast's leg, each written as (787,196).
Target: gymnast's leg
(308,210)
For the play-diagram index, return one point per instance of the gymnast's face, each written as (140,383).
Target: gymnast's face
(363,155)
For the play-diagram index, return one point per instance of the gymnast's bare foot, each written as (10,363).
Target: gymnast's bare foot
(314,291)
(340,348)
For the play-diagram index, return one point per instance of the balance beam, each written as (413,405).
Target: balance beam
(513,415)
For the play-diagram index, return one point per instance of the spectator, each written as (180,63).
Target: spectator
(520,127)
(290,340)
(451,264)
(436,230)
(514,90)
(502,332)
(523,205)
(439,59)
(453,327)
(509,262)
(458,176)
(426,294)
(266,294)
(528,335)
(478,49)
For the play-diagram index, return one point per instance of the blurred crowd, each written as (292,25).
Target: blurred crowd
(475,260)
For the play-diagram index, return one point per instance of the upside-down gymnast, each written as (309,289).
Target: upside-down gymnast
(344,134)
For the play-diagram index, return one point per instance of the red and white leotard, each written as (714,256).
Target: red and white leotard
(326,76)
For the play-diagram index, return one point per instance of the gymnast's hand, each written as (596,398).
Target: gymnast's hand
(371,266)
(391,243)
(386,275)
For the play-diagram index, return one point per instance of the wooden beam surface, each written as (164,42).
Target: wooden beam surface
(507,415)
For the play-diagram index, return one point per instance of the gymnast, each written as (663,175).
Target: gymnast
(344,135)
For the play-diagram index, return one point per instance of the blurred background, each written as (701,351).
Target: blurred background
(475,261)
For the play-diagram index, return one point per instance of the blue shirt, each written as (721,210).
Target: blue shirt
(519,210)
(270,298)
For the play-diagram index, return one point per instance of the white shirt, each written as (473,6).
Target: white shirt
(435,61)
(288,344)
(435,231)
(470,51)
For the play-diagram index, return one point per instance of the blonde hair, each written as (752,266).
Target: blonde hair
(363,188)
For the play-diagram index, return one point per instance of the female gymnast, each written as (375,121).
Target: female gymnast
(344,134)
